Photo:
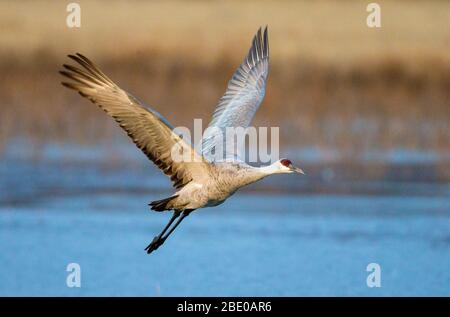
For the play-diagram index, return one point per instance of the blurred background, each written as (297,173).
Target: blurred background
(365,112)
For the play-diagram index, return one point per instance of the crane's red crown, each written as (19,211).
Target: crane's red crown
(286,162)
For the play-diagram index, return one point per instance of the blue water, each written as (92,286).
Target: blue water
(258,243)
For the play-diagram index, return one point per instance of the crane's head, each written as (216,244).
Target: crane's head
(285,166)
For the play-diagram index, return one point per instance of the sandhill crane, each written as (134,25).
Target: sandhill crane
(203,181)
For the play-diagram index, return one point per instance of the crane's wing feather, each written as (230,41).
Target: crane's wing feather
(148,129)
(242,98)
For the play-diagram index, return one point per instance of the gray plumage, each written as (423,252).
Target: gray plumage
(201,181)
(244,94)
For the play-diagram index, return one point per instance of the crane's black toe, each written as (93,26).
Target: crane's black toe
(155,244)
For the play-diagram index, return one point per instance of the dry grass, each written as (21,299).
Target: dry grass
(206,30)
(334,82)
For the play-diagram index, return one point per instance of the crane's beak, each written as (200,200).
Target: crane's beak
(298,170)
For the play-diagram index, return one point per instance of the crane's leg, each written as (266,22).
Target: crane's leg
(155,242)
(159,240)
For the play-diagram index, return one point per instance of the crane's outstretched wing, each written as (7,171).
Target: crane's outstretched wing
(242,98)
(148,129)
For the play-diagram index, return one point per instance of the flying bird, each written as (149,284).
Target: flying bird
(203,181)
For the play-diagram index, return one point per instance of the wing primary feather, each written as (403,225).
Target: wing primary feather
(82,73)
(266,43)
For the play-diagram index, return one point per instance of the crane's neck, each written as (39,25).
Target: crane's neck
(254,174)
(269,170)
(243,174)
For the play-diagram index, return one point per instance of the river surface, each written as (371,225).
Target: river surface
(293,241)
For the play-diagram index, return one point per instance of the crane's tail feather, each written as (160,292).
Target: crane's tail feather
(163,204)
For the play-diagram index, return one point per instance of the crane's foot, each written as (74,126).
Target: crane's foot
(155,244)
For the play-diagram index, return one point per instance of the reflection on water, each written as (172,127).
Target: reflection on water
(284,236)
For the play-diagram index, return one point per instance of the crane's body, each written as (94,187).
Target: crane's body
(224,179)
(205,180)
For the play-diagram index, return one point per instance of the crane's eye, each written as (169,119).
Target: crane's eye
(286,162)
